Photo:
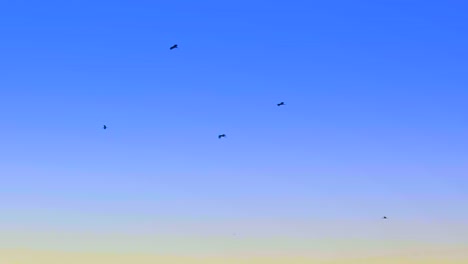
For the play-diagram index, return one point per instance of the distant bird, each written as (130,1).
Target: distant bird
(384,217)
(105,127)
(280,104)
(173,47)
(222,135)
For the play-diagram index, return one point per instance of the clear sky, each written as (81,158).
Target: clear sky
(375,123)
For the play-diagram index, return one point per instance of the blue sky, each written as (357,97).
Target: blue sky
(375,120)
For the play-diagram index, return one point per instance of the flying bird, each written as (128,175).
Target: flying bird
(222,135)
(173,47)
(384,217)
(282,103)
(105,127)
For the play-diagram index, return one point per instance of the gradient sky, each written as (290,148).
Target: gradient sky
(375,123)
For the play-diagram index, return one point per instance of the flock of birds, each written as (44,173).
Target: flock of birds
(175,46)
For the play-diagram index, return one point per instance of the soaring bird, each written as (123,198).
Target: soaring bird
(384,217)
(222,135)
(105,127)
(173,47)
(282,103)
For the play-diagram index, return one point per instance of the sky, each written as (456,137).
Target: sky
(374,124)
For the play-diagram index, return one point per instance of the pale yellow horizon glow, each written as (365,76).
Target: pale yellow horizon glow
(50,257)
(54,247)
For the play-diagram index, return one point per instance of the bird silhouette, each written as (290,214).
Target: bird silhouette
(282,103)
(173,47)
(104,127)
(222,135)
(384,217)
